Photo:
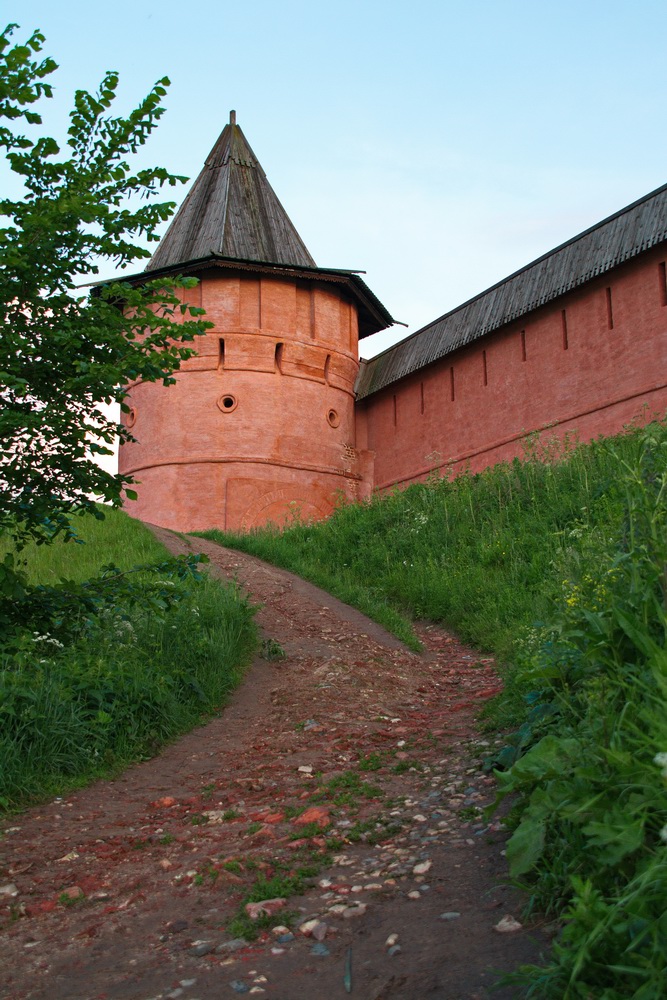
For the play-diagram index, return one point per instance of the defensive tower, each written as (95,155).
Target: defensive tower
(260,425)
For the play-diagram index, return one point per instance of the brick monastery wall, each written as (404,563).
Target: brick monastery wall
(588,363)
(260,424)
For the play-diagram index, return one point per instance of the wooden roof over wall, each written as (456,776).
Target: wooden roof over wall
(597,250)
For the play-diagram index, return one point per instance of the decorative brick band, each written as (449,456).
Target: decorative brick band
(245,460)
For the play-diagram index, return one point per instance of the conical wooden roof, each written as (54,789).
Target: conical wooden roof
(231,210)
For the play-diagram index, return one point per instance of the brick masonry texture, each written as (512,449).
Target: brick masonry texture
(260,426)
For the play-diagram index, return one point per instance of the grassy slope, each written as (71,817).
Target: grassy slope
(479,554)
(117,539)
(123,681)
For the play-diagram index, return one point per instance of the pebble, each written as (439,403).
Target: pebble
(391,941)
(266,907)
(350,912)
(415,894)
(319,949)
(229,946)
(239,986)
(201,948)
(215,815)
(314,928)
(422,868)
(395,950)
(450,915)
(9,890)
(508,925)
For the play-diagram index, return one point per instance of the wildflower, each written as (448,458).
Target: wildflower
(661,760)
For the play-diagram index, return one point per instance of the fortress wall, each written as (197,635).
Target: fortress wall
(260,424)
(586,364)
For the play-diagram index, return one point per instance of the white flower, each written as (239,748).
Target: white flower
(661,760)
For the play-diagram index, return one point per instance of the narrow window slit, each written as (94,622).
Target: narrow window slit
(395,412)
(663,284)
(563,320)
(451,384)
(221,353)
(484,368)
(523,345)
(610,312)
(326,368)
(279,357)
(421,400)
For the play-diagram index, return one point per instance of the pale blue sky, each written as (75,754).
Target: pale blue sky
(437,146)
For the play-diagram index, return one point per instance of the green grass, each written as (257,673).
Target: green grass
(478,553)
(87,695)
(118,539)
(283,884)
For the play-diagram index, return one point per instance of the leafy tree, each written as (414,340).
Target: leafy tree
(66,351)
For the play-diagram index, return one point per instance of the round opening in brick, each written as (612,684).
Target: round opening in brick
(333,418)
(227,403)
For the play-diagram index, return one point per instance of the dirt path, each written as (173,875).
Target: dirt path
(352,754)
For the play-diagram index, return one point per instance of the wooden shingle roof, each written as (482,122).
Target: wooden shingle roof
(231,210)
(597,250)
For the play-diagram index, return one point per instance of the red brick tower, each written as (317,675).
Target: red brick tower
(260,425)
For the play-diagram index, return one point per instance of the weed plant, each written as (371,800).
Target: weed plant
(590,843)
(117,665)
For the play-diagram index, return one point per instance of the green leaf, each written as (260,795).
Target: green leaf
(526,845)
(614,836)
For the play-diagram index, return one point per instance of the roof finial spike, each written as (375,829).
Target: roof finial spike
(232,118)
